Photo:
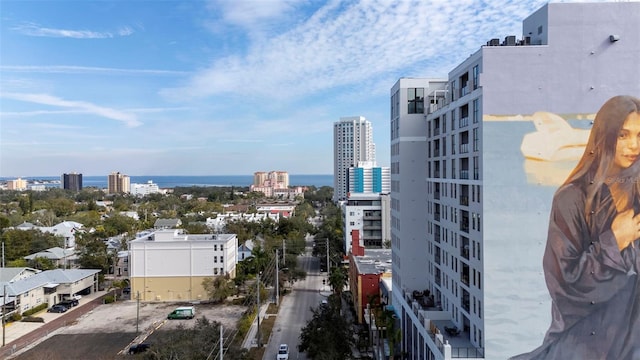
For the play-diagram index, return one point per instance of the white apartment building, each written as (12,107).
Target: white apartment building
(474,232)
(352,143)
(169,265)
(369,213)
(145,189)
(367,177)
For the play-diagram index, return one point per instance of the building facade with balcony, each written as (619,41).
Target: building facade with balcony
(369,213)
(497,139)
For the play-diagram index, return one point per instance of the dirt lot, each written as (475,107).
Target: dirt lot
(109,329)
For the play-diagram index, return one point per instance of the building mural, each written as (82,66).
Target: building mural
(572,274)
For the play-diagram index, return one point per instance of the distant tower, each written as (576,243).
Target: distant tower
(118,183)
(352,143)
(72,181)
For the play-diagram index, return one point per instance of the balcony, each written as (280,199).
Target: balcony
(464,200)
(464,121)
(436,216)
(436,131)
(464,250)
(464,174)
(436,195)
(464,148)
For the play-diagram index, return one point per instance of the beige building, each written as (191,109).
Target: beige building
(169,265)
(17,184)
(118,183)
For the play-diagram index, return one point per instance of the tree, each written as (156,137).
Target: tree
(218,287)
(338,280)
(328,335)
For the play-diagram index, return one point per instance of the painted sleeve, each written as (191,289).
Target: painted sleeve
(581,272)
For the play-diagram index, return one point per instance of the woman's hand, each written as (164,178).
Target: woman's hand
(626,228)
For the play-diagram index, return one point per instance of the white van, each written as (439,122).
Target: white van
(183,312)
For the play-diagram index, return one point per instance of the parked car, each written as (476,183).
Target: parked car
(139,348)
(283,352)
(57,308)
(69,303)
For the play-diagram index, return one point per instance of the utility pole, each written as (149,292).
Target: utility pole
(277,279)
(137,311)
(4,301)
(221,343)
(327,258)
(3,254)
(284,253)
(258,312)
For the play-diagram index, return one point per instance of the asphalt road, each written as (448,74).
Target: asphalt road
(295,309)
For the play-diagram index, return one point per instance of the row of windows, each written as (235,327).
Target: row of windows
(459,144)
(466,87)
(462,113)
(454,191)
(438,169)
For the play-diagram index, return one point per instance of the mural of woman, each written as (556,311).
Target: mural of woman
(592,256)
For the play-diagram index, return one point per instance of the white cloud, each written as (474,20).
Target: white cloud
(33,29)
(45,99)
(344,45)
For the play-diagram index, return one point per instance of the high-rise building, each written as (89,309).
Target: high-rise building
(367,177)
(17,184)
(497,138)
(118,183)
(352,143)
(72,181)
(259,178)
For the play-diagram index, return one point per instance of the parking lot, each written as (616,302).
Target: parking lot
(109,329)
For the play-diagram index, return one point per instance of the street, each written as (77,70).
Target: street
(295,309)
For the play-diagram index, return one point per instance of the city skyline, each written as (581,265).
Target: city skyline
(216,87)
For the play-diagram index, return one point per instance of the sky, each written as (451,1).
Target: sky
(218,87)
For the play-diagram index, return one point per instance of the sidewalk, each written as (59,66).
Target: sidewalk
(19,335)
(250,340)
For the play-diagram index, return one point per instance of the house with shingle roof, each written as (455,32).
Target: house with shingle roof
(14,274)
(50,287)
(167,224)
(59,256)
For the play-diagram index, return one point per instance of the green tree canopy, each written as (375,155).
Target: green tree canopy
(328,335)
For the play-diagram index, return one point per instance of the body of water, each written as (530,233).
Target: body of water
(170,181)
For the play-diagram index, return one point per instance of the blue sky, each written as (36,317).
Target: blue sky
(217,87)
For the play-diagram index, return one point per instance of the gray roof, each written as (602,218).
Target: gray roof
(54,253)
(57,276)
(167,223)
(8,274)
(374,261)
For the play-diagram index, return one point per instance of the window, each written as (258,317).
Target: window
(475,77)
(215,247)
(475,139)
(415,100)
(215,259)
(476,111)
(221,258)
(215,271)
